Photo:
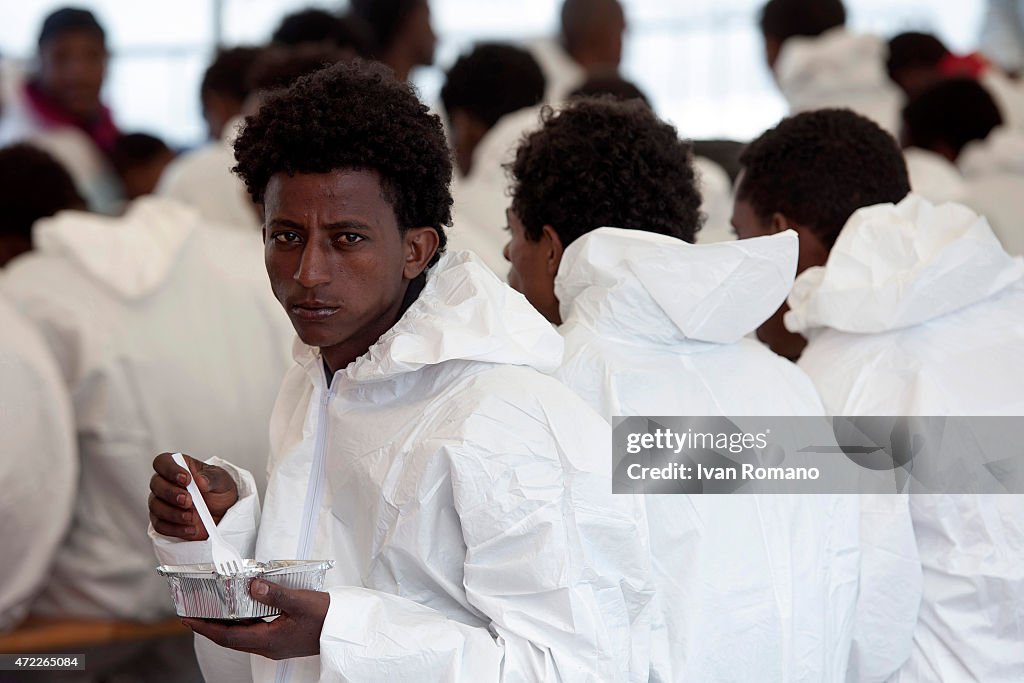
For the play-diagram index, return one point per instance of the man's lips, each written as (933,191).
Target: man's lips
(313,311)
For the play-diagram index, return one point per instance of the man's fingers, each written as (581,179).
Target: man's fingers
(274,595)
(244,637)
(188,533)
(172,513)
(168,469)
(168,492)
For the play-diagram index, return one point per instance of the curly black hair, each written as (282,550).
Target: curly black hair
(353,115)
(818,167)
(953,112)
(602,162)
(784,19)
(33,185)
(492,80)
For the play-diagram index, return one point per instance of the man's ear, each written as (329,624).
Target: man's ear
(420,246)
(780,223)
(553,242)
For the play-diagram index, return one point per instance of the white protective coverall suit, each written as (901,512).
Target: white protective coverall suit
(919,311)
(38,467)
(839,69)
(466,498)
(168,338)
(202,179)
(753,587)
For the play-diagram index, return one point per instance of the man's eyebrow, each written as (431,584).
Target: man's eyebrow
(338,225)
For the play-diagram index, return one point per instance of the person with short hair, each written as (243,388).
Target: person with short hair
(817,63)
(59,108)
(604,213)
(402,35)
(919,61)
(202,178)
(464,494)
(483,85)
(894,294)
(33,185)
(225,87)
(589,42)
(954,129)
(781,188)
(140,160)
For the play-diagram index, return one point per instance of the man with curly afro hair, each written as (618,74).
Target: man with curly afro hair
(419,442)
(809,174)
(604,213)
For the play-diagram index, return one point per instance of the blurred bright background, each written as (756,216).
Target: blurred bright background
(700,61)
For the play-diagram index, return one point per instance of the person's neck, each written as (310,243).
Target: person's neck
(341,356)
(401,62)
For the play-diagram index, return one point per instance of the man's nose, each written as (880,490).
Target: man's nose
(314,267)
(504,252)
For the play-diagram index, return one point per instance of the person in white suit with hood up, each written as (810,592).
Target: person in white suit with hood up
(655,325)
(464,495)
(909,309)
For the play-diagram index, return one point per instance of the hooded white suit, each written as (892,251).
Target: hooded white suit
(919,311)
(466,498)
(753,587)
(839,69)
(168,338)
(38,464)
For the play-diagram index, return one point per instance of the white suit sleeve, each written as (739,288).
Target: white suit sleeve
(555,563)
(890,589)
(239,526)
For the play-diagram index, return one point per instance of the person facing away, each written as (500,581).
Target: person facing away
(919,61)
(589,42)
(915,310)
(202,178)
(604,213)
(954,128)
(464,495)
(59,109)
(491,84)
(400,30)
(313,26)
(164,333)
(140,159)
(37,436)
(818,64)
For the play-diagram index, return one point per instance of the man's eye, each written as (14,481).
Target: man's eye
(507,228)
(350,238)
(285,237)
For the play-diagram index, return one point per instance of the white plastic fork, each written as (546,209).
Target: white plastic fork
(226,559)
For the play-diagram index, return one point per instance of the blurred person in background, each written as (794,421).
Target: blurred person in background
(493,87)
(203,179)
(224,88)
(909,309)
(39,467)
(589,41)
(320,27)
(918,61)
(958,149)
(402,35)
(59,107)
(604,213)
(817,63)
(140,160)
(166,336)
(35,185)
